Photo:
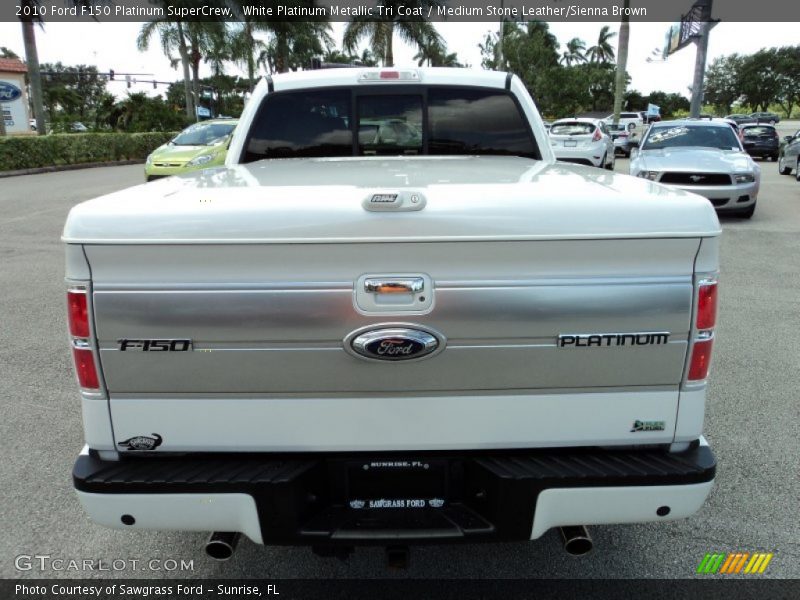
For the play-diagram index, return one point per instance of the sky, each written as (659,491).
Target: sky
(113,46)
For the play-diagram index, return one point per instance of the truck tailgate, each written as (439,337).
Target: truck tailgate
(267,325)
(266,321)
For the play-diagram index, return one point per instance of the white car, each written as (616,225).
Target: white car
(631,120)
(583,141)
(704,157)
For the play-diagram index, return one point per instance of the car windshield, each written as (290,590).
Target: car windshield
(572,128)
(687,135)
(203,134)
(758,131)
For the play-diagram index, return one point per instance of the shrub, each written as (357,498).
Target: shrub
(29,152)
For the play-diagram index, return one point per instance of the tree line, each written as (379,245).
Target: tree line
(768,77)
(578,79)
(253,43)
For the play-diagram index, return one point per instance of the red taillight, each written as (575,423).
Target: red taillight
(390,74)
(597,136)
(701,359)
(705,322)
(707,305)
(84,368)
(82,355)
(77,313)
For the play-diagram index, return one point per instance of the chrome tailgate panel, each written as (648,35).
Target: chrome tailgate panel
(267,324)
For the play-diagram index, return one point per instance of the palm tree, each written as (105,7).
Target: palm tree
(293,44)
(622,61)
(337,56)
(603,51)
(575,52)
(31,7)
(202,37)
(380,32)
(173,37)
(436,55)
(246,49)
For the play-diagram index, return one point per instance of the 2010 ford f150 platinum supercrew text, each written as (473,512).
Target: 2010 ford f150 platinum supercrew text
(392,318)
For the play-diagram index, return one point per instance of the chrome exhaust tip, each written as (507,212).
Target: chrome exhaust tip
(222,544)
(576,539)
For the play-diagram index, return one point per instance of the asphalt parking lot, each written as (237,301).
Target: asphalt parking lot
(753,421)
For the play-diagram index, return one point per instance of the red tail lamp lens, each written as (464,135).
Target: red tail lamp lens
(77,314)
(390,74)
(84,367)
(707,306)
(701,359)
(597,135)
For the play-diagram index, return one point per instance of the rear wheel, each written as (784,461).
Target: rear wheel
(797,170)
(610,164)
(782,169)
(772,122)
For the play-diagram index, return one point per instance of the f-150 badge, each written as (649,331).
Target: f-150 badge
(393,343)
(154,345)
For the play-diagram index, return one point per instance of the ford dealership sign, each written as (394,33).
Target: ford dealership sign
(9,92)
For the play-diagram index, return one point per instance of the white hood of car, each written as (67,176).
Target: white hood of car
(696,160)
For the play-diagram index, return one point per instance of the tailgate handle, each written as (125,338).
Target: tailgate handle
(410,285)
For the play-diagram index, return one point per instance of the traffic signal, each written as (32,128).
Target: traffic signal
(154,84)
(128,80)
(111,74)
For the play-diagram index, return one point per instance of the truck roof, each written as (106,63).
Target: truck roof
(353,76)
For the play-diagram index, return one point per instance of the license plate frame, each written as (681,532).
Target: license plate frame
(570,143)
(405,484)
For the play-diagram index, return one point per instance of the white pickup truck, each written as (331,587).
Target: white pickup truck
(392,318)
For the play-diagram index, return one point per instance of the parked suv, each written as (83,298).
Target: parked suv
(760,140)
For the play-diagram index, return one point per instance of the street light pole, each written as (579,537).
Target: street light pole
(500,62)
(700,62)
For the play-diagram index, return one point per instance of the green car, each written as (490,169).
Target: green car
(198,146)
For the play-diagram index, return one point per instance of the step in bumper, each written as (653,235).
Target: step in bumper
(420,497)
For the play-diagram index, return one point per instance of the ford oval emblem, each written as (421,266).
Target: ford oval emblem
(9,92)
(394,343)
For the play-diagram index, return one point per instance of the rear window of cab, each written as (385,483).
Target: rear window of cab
(435,120)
